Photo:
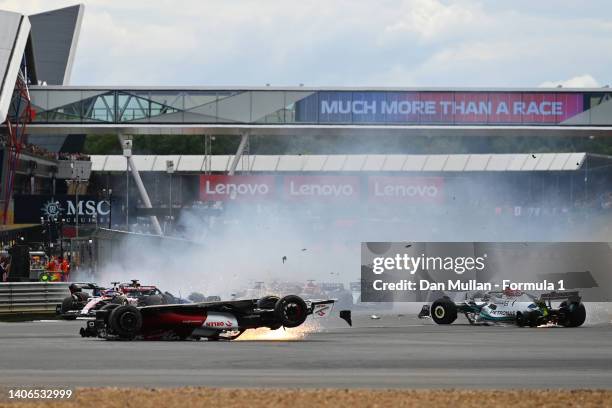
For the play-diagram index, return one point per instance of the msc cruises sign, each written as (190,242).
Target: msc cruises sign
(88,209)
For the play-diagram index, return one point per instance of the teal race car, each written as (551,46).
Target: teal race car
(515,307)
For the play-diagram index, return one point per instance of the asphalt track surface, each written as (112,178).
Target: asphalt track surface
(393,352)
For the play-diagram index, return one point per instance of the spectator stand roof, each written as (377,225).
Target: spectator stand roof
(354,163)
(14,32)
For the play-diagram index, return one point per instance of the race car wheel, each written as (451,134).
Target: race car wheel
(443,311)
(520,320)
(291,311)
(575,314)
(125,321)
(532,318)
(267,302)
(68,304)
(108,308)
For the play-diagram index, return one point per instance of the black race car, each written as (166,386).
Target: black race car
(211,320)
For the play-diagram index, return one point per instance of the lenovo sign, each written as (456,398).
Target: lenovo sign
(406,189)
(321,188)
(238,188)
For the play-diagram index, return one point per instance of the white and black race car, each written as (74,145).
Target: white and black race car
(520,308)
(225,320)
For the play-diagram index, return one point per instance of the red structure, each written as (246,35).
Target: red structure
(16,137)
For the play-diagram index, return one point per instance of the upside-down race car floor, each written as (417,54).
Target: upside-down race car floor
(392,352)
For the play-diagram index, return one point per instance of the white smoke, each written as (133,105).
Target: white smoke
(247,242)
(233,255)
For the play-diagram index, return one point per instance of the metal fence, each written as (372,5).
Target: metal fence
(30,298)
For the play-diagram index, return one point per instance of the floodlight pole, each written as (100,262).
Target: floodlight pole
(238,156)
(144,196)
(170,170)
(76,181)
(127,194)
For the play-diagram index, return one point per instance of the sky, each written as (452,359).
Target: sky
(401,43)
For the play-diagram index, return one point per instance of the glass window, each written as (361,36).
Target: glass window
(98,106)
(166,106)
(268,107)
(200,107)
(134,106)
(234,106)
(64,106)
(301,107)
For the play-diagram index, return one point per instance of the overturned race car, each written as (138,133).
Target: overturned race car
(225,320)
(520,308)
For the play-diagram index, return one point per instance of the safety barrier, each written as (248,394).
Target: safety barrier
(18,299)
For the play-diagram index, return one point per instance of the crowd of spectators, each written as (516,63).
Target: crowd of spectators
(38,151)
(73,156)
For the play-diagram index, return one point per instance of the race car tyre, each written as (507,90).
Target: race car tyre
(68,304)
(74,288)
(267,302)
(291,311)
(520,320)
(109,307)
(125,321)
(532,318)
(443,311)
(575,314)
